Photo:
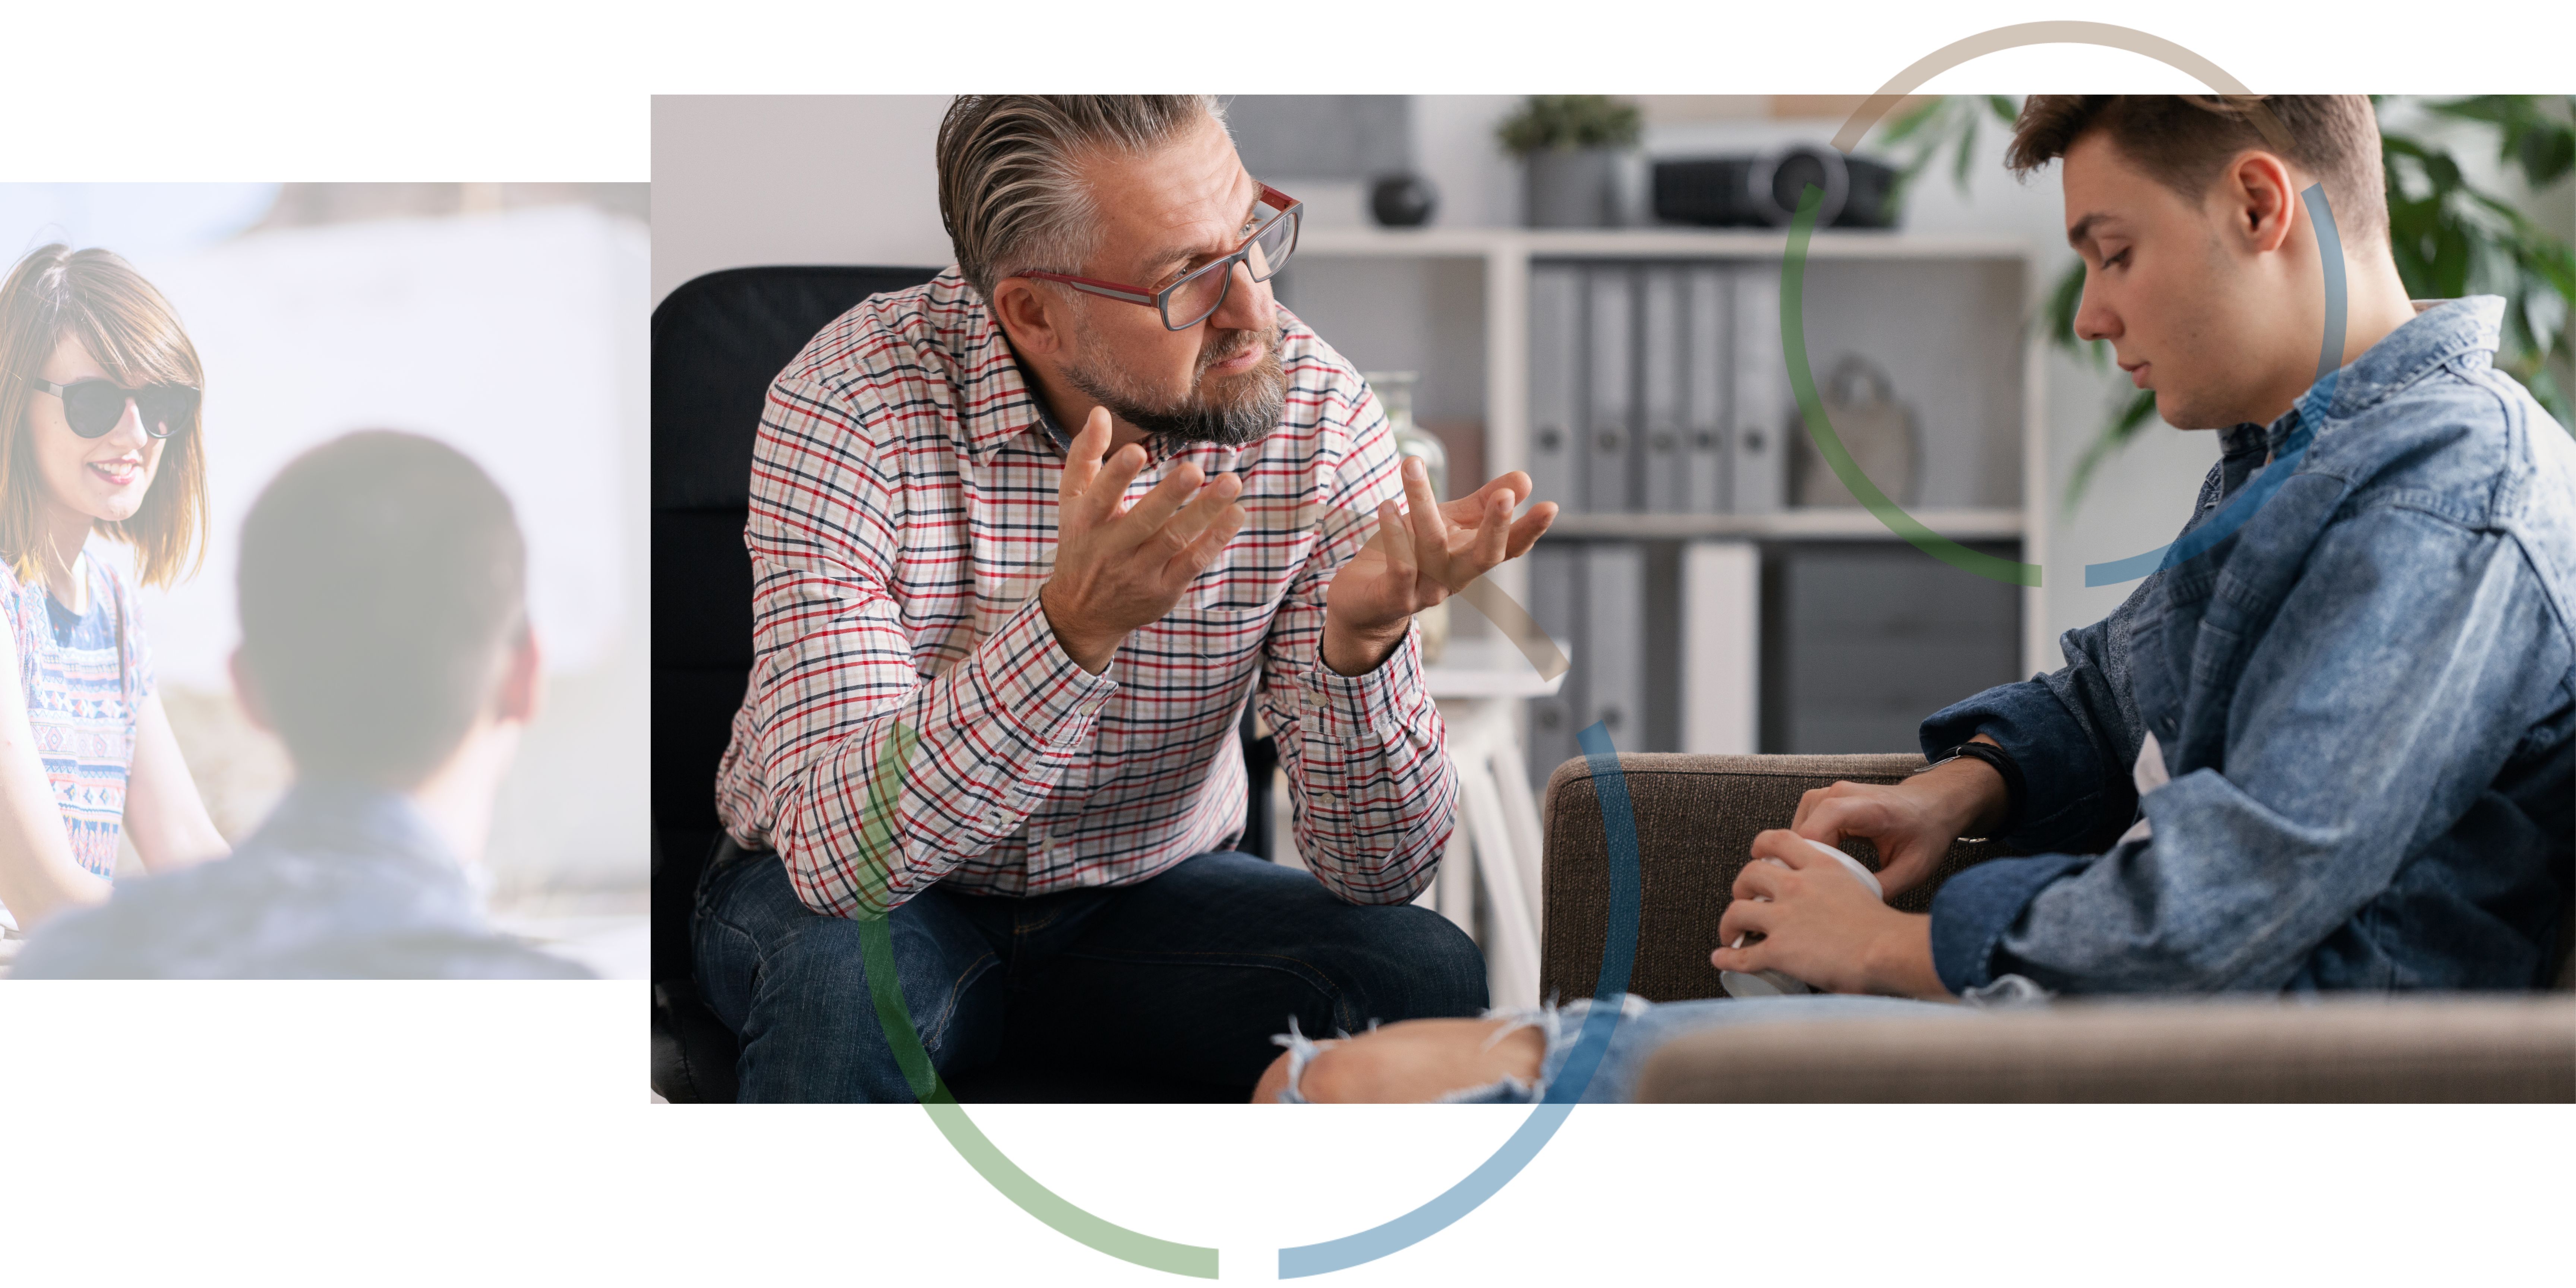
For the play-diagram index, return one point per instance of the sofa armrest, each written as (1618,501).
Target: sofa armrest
(1696,816)
(2369,1049)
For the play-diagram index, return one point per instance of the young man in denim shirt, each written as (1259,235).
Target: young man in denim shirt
(2325,746)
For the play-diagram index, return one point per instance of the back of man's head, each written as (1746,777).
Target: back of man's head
(382,589)
(2184,141)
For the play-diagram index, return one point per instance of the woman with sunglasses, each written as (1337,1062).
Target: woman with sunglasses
(99,419)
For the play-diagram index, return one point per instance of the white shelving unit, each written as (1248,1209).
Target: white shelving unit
(1405,299)
(1503,257)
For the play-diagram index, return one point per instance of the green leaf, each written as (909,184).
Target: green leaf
(2064,299)
(1916,118)
(2133,412)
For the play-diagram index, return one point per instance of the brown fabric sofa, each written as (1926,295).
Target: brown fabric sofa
(1696,816)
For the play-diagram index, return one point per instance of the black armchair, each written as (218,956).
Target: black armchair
(717,343)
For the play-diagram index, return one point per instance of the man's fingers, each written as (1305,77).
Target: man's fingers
(1109,487)
(1203,551)
(1471,507)
(1399,541)
(1788,847)
(1906,871)
(1759,879)
(1806,808)
(1494,532)
(1525,532)
(1745,917)
(1186,523)
(1429,530)
(1082,456)
(1844,809)
(1156,507)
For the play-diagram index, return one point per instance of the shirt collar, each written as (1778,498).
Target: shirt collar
(2440,332)
(1001,399)
(324,816)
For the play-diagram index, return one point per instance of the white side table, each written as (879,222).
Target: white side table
(1477,684)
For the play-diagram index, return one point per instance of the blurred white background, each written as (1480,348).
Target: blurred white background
(508,320)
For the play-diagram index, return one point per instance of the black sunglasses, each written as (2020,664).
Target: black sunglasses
(93,406)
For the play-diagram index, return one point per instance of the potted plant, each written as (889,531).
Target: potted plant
(2450,238)
(1569,145)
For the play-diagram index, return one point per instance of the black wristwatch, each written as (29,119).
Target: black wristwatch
(2014,789)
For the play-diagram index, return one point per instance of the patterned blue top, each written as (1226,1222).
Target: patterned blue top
(85,677)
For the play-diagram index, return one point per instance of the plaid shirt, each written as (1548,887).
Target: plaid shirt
(903,510)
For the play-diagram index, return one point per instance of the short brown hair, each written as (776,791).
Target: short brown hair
(2183,141)
(383,582)
(1010,187)
(131,331)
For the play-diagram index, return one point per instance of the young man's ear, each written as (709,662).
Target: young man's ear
(522,680)
(2262,196)
(246,690)
(1033,319)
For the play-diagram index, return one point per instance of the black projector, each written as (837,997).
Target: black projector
(1763,191)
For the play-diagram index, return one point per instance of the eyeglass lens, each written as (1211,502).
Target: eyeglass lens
(1199,294)
(92,407)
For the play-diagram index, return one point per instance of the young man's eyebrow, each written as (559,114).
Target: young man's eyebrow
(2083,229)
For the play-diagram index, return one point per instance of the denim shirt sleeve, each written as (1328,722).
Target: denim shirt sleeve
(2072,732)
(2376,705)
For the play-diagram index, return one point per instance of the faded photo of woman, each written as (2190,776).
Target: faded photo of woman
(100,435)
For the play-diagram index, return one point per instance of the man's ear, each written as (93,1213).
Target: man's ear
(1033,319)
(246,690)
(522,677)
(2263,200)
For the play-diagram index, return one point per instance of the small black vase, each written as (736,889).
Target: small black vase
(1403,200)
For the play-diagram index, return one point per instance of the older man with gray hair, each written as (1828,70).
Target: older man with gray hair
(1000,661)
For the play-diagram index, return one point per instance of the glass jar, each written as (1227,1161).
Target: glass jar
(1395,396)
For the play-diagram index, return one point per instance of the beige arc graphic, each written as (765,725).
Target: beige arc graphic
(2104,34)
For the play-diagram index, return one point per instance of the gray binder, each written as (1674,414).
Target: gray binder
(1663,340)
(1555,428)
(1758,457)
(1704,432)
(1554,566)
(1609,384)
(1614,642)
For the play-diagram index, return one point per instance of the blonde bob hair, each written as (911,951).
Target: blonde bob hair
(130,331)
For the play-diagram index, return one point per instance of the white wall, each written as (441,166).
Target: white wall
(851,180)
(740,180)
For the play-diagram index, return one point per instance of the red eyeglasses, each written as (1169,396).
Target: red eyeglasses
(1189,301)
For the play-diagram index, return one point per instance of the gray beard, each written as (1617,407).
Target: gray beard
(1237,417)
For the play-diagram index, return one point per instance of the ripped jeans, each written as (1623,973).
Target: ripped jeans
(1643,1028)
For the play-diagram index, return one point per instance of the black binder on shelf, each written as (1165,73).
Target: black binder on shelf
(1708,337)
(1758,457)
(1556,358)
(1614,642)
(1609,384)
(1663,341)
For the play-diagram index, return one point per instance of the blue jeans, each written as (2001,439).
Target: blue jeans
(1644,1027)
(1184,975)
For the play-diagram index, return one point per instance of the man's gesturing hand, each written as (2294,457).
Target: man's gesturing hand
(1119,566)
(1420,556)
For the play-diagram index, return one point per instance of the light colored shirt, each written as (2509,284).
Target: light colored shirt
(903,515)
(85,677)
